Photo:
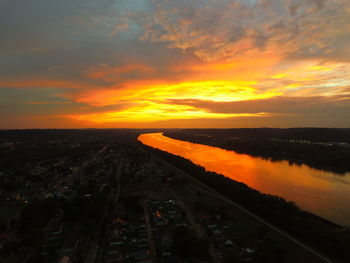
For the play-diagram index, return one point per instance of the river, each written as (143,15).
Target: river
(323,193)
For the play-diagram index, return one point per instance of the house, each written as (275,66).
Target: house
(141,255)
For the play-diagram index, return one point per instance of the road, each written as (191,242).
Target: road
(200,232)
(91,256)
(115,196)
(117,177)
(149,231)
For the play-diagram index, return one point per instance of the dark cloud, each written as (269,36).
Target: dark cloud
(333,105)
(46,102)
(46,25)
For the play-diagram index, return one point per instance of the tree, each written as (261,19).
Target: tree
(231,256)
(270,250)
(188,245)
(87,228)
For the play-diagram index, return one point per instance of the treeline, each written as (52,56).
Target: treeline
(309,134)
(73,135)
(325,236)
(264,145)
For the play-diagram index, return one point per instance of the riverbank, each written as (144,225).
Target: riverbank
(297,146)
(329,238)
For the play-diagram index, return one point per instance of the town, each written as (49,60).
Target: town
(98,196)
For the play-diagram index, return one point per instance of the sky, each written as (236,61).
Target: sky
(174,63)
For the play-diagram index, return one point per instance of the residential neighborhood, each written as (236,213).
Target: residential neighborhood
(102,197)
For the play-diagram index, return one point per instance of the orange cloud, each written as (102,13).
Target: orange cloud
(154,111)
(212,90)
(112,74)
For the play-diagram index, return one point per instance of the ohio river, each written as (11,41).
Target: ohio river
(323,193)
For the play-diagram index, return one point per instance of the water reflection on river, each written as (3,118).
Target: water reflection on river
(323,193)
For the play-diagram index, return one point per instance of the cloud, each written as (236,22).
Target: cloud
(42,25)
(215,90)
(222,30)
(115,59)
(155,112)
(332,105)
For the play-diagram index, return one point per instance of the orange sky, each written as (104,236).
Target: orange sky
(253,63)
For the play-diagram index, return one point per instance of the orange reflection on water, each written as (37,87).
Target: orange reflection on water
(322,193)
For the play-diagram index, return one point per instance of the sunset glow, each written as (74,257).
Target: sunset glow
(162,63)
(154,112)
